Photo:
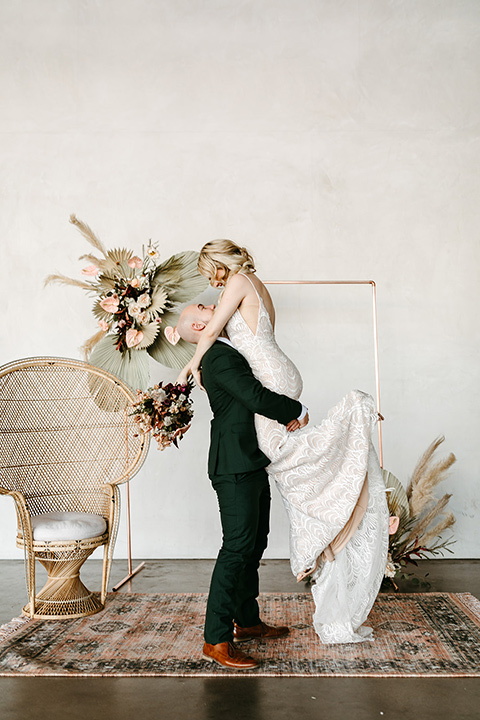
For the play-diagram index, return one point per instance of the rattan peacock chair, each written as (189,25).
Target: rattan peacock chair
(67,440)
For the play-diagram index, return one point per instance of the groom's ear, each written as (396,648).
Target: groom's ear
(198,326)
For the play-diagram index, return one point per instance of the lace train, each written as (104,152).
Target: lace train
(345,589)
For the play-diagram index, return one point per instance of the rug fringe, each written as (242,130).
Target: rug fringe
(11,627)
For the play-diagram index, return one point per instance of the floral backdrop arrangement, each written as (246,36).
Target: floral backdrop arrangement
(135,299)
(417,517)
(165,411)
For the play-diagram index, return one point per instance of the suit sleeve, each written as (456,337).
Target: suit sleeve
(234,375)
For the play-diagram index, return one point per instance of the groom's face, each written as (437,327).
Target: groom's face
(203,313)
(193,319)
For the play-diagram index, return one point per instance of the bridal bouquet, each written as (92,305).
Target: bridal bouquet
(417,517)
(135,297)
(165,411)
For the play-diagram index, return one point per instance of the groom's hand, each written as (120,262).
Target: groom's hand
(304,421)
(293,425)
(297,424)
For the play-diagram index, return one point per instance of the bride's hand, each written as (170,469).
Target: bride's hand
(184,375)
(197,376)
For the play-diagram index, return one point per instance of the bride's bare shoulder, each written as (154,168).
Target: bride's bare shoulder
(238,283)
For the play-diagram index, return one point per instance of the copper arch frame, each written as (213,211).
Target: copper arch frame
(131,572)
(375,336)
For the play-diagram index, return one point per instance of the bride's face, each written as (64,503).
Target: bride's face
(219,280)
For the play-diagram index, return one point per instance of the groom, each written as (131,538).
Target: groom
(236,467)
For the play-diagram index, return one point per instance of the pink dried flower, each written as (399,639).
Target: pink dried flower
(393,523)
(134,309)
(103,325)
(135,282)
(133,337)
(90,270)
(110,303)
(144,300)
(135,262)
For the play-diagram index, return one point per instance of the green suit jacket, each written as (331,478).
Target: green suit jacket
(235,396)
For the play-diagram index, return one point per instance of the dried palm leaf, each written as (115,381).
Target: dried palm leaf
(88,234)
(171,356)
(107,281)
(171,268)
(64,280)
(181,276)
(100,313)
(132,366)
(396,498)
(120,256)
(116,263)
(150,332)
(89,344)
(158,303)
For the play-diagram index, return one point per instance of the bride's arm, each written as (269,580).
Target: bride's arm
(235,291)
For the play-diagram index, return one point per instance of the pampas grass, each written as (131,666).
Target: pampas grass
(421,526)
(89,344)
(64,280)
(88,234)
(426,476)
(424,521)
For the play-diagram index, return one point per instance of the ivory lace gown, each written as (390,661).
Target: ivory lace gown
(320,472)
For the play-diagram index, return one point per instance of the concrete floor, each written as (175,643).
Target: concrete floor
(247,698)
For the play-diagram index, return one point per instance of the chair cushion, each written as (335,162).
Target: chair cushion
(67,526)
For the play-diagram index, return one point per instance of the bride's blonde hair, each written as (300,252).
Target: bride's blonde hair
(224,254)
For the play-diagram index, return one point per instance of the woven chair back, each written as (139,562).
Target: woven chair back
(65,429)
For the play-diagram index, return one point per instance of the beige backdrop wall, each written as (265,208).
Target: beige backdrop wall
(336,139)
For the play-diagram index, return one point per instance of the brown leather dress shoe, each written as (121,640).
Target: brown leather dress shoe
(262,631)
(226,655)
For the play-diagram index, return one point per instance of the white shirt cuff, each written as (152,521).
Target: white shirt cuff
(303,413)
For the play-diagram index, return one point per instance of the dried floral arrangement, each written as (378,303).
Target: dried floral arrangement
(165,411)
(417,517)
(134,298)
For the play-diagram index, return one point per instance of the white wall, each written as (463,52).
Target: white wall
(336,139)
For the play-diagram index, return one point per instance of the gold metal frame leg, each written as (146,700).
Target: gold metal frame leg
(128,577)
(140,567)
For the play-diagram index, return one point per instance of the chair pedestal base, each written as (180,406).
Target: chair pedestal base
(64,595)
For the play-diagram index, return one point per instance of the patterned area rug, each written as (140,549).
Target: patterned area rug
(432,634)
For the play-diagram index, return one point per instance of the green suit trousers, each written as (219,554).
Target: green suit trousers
(244,502)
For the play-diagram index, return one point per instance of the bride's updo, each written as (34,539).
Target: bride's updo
(227,255)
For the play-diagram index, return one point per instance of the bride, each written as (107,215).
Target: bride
(328,476)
